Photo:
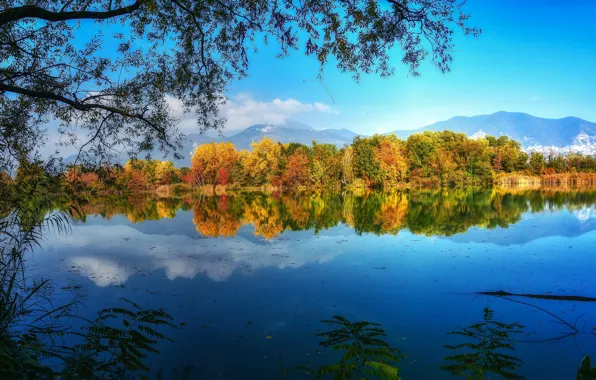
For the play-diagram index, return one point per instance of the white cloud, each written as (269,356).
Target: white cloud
(125,252)
(243,110)
(102,271)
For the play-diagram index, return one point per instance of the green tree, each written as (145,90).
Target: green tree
(536,162)
(557,162)
(522,161)
(365,165)
(422,151)
(506,154)
(325,164)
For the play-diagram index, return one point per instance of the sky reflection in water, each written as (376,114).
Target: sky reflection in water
(254,274)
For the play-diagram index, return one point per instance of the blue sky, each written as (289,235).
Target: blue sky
(534,56)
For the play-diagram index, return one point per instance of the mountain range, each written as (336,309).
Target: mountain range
(564,135)
(534,133)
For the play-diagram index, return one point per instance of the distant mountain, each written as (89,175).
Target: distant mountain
(290,131)
(565,135)
(534,133)
(285,134)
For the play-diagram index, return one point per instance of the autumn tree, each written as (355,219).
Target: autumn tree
(79,61)
(5,178)
(296,172)
(80,178)
(186,175)
(208,161)
(136,175)
(325,164)
(262,164)
(166,173)
(392,160)
(347,165)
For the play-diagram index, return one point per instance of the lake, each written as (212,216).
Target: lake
(250,277)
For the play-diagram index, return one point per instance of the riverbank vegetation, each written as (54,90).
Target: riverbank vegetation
(429,159)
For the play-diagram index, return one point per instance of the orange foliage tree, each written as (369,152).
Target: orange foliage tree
(392,160)
(208,160)
(76,176)
(297,170)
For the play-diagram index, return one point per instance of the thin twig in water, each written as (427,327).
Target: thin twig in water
(546,311)
(283,370)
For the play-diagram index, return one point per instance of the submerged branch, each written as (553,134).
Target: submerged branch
(502,293)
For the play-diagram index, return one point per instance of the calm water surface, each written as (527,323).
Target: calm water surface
(251,275)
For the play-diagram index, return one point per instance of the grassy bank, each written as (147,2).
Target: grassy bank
(547,180)
(517,180)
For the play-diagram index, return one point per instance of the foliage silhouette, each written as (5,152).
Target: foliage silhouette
(117,342)
(483,354)
(365,353)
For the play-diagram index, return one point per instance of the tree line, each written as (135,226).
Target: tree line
(381,161)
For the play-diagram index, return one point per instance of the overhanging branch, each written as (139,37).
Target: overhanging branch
(33,11)
(80,106)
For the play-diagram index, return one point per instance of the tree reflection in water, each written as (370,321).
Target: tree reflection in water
(444,212)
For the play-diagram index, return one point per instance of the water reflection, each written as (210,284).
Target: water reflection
(430,213)
(37,335)
(155,252)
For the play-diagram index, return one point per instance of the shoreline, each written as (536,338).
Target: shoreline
(559,181)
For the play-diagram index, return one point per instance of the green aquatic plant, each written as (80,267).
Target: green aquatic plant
(365,352)
(484,353)
(117,342)
(585,370)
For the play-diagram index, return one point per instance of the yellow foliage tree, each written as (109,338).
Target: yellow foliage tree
(211,160)
(392,161)
(262,164)
(164,172)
